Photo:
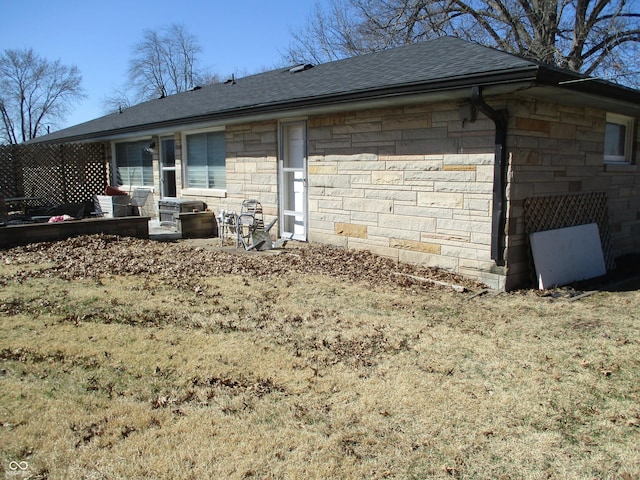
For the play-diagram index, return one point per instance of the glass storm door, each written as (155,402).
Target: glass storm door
(167,167)
(293,180)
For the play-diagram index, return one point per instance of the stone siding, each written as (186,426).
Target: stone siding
(558,150)
(411,183)
(252,169)
(415,183)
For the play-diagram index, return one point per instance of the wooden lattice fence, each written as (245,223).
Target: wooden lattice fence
(61,174)
(560,211)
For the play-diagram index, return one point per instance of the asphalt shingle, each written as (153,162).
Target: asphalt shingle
(440,60)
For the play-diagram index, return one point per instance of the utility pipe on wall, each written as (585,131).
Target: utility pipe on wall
(498,215)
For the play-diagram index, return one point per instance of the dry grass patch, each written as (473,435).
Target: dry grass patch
(156,369)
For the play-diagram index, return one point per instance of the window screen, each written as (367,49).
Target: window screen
(617,138)
(206,160)
(134,163)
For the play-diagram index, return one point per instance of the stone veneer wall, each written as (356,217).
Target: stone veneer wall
(557,150)
(410,183)
(415,184)
(252,165)
(252,168)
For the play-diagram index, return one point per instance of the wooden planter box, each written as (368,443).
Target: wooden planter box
(15,235)
(197,224)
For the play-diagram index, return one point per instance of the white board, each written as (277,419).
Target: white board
(567,255)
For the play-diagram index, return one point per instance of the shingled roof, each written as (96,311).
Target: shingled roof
(442,64)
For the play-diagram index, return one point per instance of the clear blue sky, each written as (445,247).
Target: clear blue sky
(237,36)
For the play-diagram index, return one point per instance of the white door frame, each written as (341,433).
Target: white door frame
(165,169)
(293,218)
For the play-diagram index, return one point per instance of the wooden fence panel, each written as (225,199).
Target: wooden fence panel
(60,173)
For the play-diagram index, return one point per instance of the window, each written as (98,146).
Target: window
(206,160)
(134,163)
(618,139)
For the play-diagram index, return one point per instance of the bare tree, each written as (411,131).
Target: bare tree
(165,62)
(595,37)
(35,94)
(119,99)
(330,35)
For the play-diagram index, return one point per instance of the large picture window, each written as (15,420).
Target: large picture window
(134,163)
(618,139)
(206,160)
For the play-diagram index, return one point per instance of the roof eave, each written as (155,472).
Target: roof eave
(309,103)
(590,86)
(544,79)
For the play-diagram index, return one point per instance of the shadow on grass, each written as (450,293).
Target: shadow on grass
(625,277)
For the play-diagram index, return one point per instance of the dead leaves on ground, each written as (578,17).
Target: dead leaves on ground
(97,255)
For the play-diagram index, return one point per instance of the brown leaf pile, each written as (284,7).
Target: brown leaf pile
(97,255)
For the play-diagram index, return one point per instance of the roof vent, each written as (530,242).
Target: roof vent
(231,80)
(300,68)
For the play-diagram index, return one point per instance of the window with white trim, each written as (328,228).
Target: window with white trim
(134,163)
(206,155)
(618,139)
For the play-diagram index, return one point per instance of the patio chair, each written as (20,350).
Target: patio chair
(250,229)
(139,198)
(253,207)
(248,223)
(246,226)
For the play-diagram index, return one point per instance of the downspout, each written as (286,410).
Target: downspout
(498,215)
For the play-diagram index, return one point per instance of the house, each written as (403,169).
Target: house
(444,153)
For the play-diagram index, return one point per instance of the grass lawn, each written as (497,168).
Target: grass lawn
(125,359)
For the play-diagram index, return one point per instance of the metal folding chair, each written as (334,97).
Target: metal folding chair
(139,199)
(245,229)
(250,229)
(253,207)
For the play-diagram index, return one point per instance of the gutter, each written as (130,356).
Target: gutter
(498,214)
